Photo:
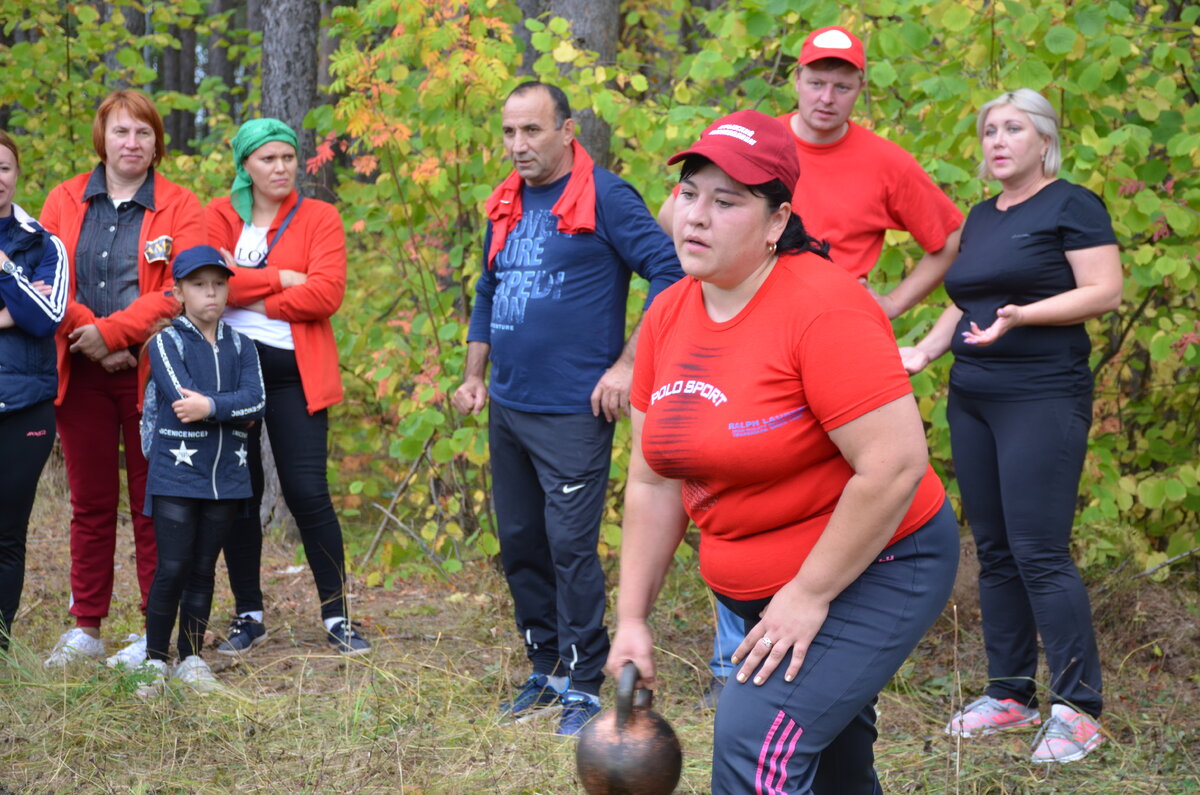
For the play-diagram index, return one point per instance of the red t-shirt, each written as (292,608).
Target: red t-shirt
(740,412)
(852,191)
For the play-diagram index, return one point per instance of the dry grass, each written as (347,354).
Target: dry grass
(416,716)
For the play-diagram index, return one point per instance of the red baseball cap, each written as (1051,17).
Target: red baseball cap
(834,42)
(749,146)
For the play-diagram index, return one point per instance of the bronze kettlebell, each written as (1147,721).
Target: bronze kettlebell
(629,750)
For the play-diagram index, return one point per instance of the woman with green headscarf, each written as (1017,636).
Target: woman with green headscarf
(289,254)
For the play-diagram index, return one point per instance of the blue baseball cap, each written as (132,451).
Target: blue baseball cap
(197,257)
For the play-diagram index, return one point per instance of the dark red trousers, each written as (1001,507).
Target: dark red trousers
(98,413)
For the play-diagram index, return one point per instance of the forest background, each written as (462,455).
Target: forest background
(400,104)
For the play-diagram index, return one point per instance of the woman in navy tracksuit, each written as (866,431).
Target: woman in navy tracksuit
(206,388)
(33,297)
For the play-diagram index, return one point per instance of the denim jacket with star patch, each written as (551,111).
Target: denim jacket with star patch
(205,459)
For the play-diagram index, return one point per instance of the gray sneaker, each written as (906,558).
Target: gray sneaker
(987,715)
(1066,737)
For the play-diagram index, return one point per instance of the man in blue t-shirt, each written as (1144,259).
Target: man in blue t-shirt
(563,238)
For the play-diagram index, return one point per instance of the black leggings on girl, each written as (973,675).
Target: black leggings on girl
(189,533)
(26,436)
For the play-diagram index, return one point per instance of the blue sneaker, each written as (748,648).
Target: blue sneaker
(244,634)
(345,640)
(534,694)
(578,709)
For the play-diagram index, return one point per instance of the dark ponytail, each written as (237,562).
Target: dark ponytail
(795,238)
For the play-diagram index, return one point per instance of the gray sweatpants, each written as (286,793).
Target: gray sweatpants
(815,734)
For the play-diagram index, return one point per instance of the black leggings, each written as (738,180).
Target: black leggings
(300,448)
(26,436)
(1018,465)
(189,533)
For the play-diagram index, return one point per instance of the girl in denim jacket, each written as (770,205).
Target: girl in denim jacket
(206,388)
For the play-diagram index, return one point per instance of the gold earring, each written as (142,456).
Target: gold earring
(771,247)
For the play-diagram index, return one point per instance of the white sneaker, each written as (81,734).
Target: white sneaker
(195,673)
(132,655)
(156,674)
(74,645)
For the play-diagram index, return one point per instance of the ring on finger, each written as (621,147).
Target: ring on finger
(766,641)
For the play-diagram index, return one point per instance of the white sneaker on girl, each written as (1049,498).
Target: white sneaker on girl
(195,673)
(156,673)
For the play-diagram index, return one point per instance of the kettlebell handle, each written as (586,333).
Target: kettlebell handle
(628,696)
(625,686)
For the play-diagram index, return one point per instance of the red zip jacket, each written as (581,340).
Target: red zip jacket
(177,216)
(314,244)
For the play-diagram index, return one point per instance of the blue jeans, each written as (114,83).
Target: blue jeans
(729,634)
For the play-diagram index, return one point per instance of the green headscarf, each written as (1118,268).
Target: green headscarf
(250,136)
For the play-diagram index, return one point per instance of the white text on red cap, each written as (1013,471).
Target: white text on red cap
(743,134)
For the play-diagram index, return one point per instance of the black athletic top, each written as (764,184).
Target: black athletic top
(1018,256)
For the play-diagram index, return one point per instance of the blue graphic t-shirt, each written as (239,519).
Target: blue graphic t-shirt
(553,305)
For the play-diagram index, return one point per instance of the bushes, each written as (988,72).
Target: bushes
(1127,109)
(414,123)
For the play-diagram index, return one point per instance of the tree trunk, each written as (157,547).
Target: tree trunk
(289,68)
(327,46)
(530,9)
(219,64)
(690,32)
(135,23)
(273,512)
(289,89)
(183,122)
(254,15)
(250,13)
(594,25)
(168,80)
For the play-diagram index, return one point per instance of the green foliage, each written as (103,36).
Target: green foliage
(416,115)
(70,57)
(412,124)
(418,108)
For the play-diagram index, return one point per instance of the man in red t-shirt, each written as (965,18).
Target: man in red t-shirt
(855,185)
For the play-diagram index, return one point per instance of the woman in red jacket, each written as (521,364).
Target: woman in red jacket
(289,254)
(122,224)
